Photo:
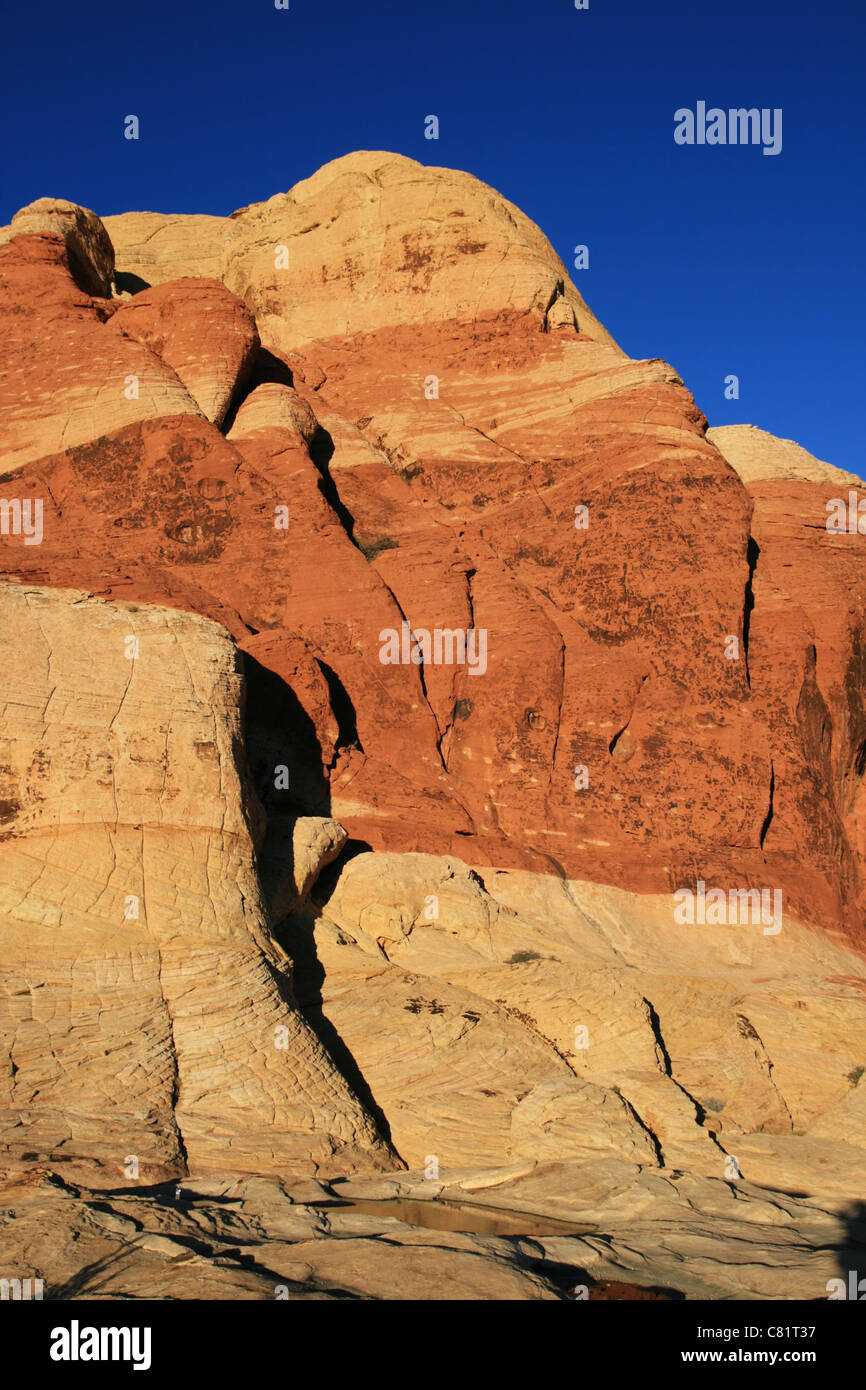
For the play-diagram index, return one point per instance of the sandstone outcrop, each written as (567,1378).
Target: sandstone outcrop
(555,1231)
(88,248)
(66,379)
(199,330)
(760,457)
(619,1030)
(146,1013)
(282,905)
(462,421)
(370,241)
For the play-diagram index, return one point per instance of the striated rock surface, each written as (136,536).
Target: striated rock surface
(65,378)
(273,908)
(88,249)
(146,1013)
(619,1030)
(199,330)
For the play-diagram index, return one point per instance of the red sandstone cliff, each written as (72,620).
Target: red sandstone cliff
(431,402)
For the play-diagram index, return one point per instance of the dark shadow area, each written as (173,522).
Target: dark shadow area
(321,449)
(267,367)
(162,1193)
(129,283)
(753,552)
(327,880)
(280,733)
(296,935)
(768,818)
(851,1254)
(343,709)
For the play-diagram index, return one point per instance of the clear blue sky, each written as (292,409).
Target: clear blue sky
(719,259)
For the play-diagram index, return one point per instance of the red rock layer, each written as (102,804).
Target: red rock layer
(697,648)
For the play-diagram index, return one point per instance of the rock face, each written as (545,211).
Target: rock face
(385,655)
(371,241)
(146,1012)
(588,1229)
(67,380)
(199,330)
(539,1019)
(480,455)
(89,252)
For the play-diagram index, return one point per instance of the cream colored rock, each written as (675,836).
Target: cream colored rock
(154,247)
(254,1243)
(141,1008)
(699,1037)
(274,406)
(316,842)
(294,853)
(423,244)
(705,1237)
(448,1070)
(760,457)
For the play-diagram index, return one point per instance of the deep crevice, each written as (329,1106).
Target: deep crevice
(753,551)
(321,451)
(342,708)
(266,367)
(651,1135)
(559,290)
(297,937)
(768,818)
(655,1024)
(278,730)
(616,738)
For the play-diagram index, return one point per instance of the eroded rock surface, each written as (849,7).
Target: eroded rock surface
(539,1019)
(432,408)
(146,1011)
(273,906)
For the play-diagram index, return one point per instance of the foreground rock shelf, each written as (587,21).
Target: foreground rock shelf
(644,1235)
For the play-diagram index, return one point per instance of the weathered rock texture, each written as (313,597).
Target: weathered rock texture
(451,503)
(145,1010)
(89,252)
(586,1228)
(370,241)
(376,400)
(538,1019)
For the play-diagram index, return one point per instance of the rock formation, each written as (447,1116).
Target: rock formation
(282,902)
(143,995)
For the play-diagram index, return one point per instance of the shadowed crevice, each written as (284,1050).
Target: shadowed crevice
(753,551)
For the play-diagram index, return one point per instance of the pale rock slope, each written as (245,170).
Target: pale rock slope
(146,1011)
(371,240)
(761,457)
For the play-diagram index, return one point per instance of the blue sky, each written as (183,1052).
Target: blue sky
(719,259)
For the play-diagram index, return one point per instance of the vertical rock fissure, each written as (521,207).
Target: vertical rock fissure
(768,818)
(655,1024)
(753,550)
